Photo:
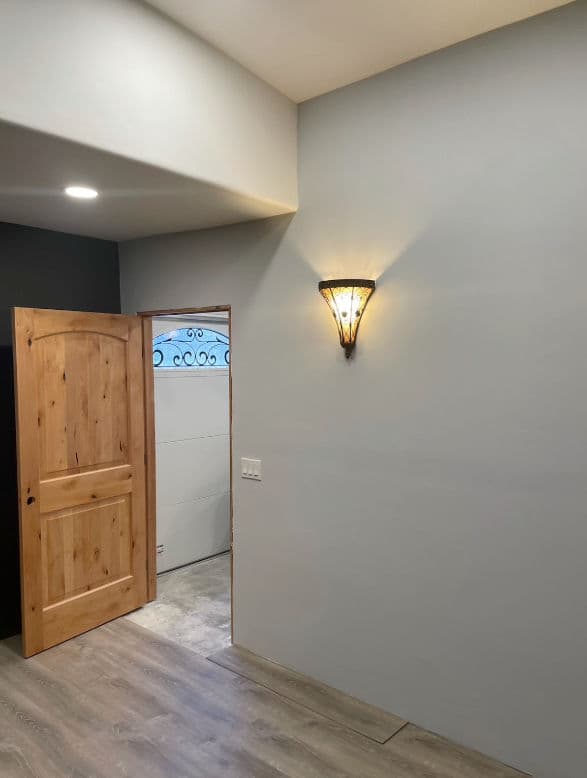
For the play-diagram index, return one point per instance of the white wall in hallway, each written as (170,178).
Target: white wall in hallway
(117,75)
(193,456)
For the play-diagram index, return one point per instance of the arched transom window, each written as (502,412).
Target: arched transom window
(191,347)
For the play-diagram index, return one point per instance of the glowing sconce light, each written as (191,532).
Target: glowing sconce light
(347,298)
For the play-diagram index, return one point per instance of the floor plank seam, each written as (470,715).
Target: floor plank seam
(393,734)
(307,707)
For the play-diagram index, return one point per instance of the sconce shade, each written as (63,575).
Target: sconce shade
(347,298)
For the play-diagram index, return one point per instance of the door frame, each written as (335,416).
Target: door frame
(150,450)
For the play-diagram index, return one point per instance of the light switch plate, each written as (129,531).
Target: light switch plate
(251,468)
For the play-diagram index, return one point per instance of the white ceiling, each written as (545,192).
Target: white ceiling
(135,199)
(307,47)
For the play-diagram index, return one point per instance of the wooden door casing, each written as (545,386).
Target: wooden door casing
(81,450)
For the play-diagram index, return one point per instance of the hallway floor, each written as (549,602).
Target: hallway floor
(122,701)
(162,694)
(192,606)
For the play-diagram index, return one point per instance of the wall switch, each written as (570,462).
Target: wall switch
(251,468)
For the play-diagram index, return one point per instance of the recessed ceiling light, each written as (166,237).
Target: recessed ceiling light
(81,192)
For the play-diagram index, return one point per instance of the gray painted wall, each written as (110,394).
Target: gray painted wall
(419,537)
(47,269)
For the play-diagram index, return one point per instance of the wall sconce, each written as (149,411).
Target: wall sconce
(347,299)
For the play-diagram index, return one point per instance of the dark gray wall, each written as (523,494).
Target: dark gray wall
(419,536)
(42,269)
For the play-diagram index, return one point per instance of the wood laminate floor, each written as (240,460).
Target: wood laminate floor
(318,697)
(123,701)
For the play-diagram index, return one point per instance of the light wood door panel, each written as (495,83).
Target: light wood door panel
(84,375)
(81,423)
(71,539)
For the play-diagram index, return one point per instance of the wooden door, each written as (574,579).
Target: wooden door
(81,451)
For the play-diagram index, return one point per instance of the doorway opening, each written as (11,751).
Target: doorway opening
(188,368)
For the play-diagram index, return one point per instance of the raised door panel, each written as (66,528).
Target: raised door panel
(86,548)
(83,401)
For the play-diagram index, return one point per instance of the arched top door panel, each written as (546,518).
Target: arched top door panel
(47,323)
(82,401)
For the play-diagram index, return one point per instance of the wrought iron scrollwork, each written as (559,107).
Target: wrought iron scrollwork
(191,347)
